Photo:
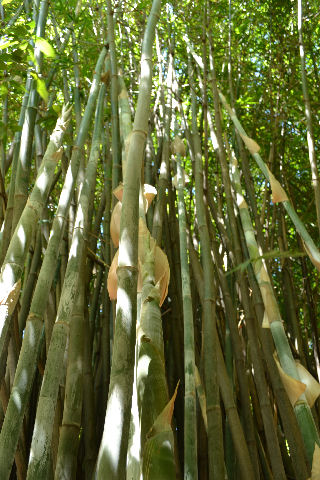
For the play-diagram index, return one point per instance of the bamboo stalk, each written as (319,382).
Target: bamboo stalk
(215,442)
(112,456)
(39,460)
(190,432)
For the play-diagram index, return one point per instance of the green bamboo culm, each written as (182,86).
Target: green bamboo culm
(273,318)
(39,459)
(190,418)
(111,461)
(13,264)
(31,343)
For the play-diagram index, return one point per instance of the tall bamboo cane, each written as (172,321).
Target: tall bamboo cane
(40,446)
(215,440)
(32,336)
(13,264)
(112,455)
(190,419)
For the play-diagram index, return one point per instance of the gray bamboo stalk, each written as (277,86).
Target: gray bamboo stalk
(13,264)
(70,429)
(307,107)
(215,440)
(238,437)
(32,336)
(190,418)
(112,455)
(238,358)
(40,446)
(301,408)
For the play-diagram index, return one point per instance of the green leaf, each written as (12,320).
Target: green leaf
(45,47)
(42,89)
(3,90)
(4,2)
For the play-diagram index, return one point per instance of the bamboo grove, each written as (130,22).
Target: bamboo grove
(159,243)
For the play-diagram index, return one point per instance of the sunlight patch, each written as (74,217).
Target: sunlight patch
(124,302)
(42,182)
(114,421)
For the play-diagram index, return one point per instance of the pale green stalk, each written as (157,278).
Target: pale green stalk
(34,328)
(272,312)
(111,462)
(190,417)
(39,465)
(13,264)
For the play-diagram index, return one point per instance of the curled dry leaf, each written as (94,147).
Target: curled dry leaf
(115,224)
(149,194)
(161,266)
(178,147)
(250,143)
(278,193)
(312,391)
(293,387)
(112,283)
